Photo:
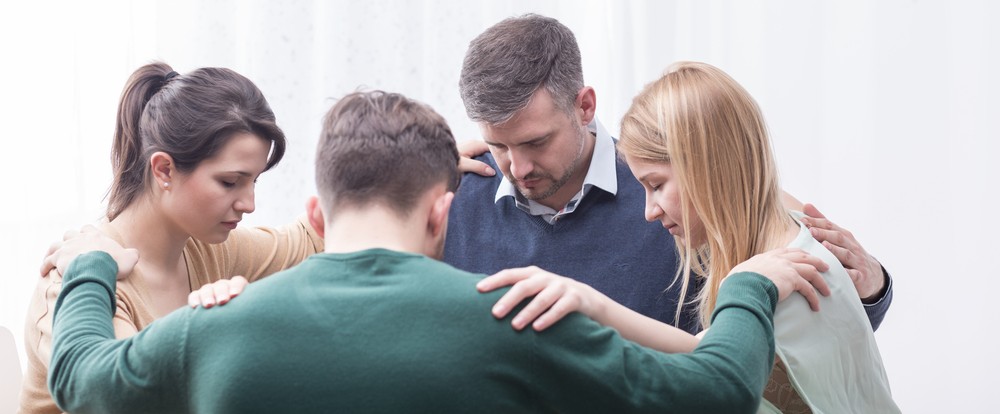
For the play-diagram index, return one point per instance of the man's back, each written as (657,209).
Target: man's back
(376,330)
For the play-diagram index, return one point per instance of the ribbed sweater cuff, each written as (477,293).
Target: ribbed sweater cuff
(747,289)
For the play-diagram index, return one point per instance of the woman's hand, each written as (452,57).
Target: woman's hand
(791,270)
(88,239)
(470,149)
(217,293)
(554,296)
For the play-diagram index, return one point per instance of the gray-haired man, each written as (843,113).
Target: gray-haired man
(565,202)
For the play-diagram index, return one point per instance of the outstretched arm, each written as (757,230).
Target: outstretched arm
(92,372)
(556,296)
(725,373)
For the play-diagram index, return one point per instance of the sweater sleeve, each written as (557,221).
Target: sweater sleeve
(876,311)
(93,372)
(726,373)
(253,252)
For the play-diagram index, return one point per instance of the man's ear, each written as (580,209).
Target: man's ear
(315,215)
(162,166)
(437,222)
(586,105)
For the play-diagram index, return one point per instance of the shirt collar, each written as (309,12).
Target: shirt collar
(603,171)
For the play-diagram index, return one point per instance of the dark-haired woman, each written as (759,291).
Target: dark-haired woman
(187,152)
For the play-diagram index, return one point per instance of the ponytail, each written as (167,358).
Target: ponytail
(128,161)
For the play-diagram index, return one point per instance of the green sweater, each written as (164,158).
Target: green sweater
(384,331)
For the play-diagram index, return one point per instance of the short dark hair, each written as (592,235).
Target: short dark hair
(190,117)
(510,61)
(379,147)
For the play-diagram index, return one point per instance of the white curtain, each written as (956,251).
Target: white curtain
(882,113)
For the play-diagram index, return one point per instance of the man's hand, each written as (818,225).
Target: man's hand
(473,148)
(88,239)
(217,293)
(791,270)
(865,271)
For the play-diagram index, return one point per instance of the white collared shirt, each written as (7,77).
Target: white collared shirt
(602,174)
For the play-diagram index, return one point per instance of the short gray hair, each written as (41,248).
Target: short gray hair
(507,63)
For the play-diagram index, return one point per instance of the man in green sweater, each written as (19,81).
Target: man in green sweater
(375,325)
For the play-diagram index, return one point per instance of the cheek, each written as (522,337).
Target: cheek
(669,201)
(206,197)
(502,159)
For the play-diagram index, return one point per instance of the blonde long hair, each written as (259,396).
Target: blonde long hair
(710,130)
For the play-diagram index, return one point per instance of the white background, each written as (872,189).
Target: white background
(884,114)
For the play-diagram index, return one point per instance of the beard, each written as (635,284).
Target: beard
(546,192)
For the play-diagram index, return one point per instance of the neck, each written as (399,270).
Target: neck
(144,227)
(562,197)
(356,229)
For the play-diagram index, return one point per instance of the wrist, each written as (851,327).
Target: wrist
(598,306)
(880,292)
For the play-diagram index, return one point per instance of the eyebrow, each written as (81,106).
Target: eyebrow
(646,177)
(535,140)
(528,142)
(243,173)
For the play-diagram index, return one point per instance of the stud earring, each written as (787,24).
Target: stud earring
(166,185)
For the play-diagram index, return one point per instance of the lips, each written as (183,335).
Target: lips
(672,228)
(529,183)
(230,224)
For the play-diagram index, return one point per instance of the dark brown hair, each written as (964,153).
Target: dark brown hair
(190,117)
(510,61)
(379,147)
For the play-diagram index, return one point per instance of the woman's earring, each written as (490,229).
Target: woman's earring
(166,185)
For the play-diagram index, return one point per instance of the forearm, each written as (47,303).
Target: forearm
(725,373)
(642,329)
(90,371)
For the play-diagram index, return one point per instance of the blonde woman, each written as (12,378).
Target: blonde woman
(697,142)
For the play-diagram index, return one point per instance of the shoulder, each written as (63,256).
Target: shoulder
(475,186)
(447,276)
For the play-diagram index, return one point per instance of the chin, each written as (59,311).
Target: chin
(214,238)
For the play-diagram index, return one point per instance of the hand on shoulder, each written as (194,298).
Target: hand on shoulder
(88,239)
(791,270)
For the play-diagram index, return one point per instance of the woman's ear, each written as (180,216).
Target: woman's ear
(163,168)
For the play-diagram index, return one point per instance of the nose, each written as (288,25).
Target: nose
(520,164)
(653,211)
(245,203)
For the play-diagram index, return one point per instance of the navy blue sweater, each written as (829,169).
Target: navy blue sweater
(605,243)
